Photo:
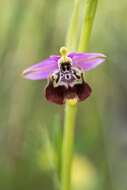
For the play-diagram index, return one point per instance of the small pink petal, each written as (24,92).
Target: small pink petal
(41,70)
(87,61)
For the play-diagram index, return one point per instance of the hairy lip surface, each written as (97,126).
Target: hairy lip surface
(59,94)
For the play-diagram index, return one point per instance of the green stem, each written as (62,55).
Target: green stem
(90,10)
(68,141)
(71,40)
(70,109)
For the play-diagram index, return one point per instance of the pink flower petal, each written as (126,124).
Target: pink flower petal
(87,61)
(42,70)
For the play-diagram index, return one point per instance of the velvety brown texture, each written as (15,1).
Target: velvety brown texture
(59,94)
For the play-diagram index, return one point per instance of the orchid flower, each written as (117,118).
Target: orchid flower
(65,74)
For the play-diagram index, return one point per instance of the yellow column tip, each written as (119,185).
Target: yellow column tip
(63,51)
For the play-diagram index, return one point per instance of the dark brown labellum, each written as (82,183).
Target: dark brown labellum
(67,83)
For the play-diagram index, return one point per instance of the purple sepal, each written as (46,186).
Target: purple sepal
(43,69)
(87,61)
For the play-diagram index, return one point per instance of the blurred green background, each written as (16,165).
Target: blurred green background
(31,30)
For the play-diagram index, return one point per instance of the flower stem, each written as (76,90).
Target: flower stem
(68,141)
(71,40)
(71,108)
(90,10)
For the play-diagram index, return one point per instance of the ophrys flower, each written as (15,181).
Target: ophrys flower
(65,74)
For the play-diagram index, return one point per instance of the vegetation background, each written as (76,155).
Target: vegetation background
(31,30)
